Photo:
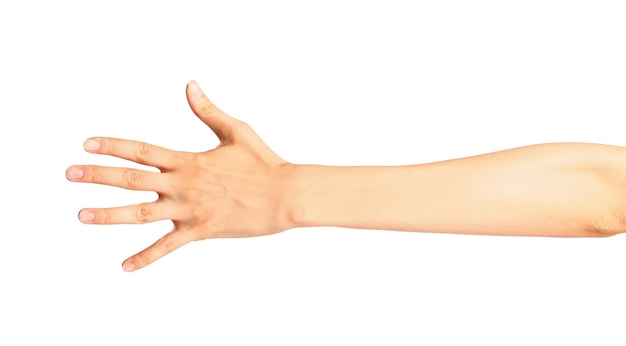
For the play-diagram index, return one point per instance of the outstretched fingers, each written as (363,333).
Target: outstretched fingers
(165,183)
(168,243)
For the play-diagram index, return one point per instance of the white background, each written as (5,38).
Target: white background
(331,82)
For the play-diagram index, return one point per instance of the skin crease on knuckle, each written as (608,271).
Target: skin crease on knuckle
(94,174)
(105,215)
(132,178)
(107,146)
(167,245)
(208,108)
(142,213)
(141,259)
(143,152)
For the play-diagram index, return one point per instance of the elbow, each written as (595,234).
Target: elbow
(608,200)
(608,226)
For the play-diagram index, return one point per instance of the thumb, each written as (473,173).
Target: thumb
(217,120)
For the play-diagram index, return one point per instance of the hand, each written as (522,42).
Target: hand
(234,190)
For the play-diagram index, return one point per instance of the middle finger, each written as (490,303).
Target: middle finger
(127,178)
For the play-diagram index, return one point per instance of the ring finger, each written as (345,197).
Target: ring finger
(131,214)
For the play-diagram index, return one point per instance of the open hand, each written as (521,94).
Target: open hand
(234,190)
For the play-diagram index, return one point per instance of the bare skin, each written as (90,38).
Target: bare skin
(242,188)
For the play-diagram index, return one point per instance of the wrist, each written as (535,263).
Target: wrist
(318,195)
(290,189)
(305,188)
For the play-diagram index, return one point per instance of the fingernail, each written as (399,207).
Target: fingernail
(195,90)
(86,216)
(91,144)
(75,173)
(128,266)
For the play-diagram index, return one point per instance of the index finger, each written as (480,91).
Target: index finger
(140,152)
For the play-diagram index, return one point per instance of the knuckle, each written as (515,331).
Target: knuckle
(107,146)
(180,156)
(238,129)
(242,126)
(168,246)
(189,157)
(132,178)
(142,259)
(142,151)
(105,216)
(208,108)
(94,174)
(142,213)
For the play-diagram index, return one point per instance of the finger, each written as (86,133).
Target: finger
(131,214)
(162,247)
(217,120)
(127,178)
(139,152)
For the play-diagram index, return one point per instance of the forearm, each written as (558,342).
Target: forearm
(549,190)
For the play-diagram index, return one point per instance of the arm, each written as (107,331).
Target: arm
(242,188)
(564,190)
